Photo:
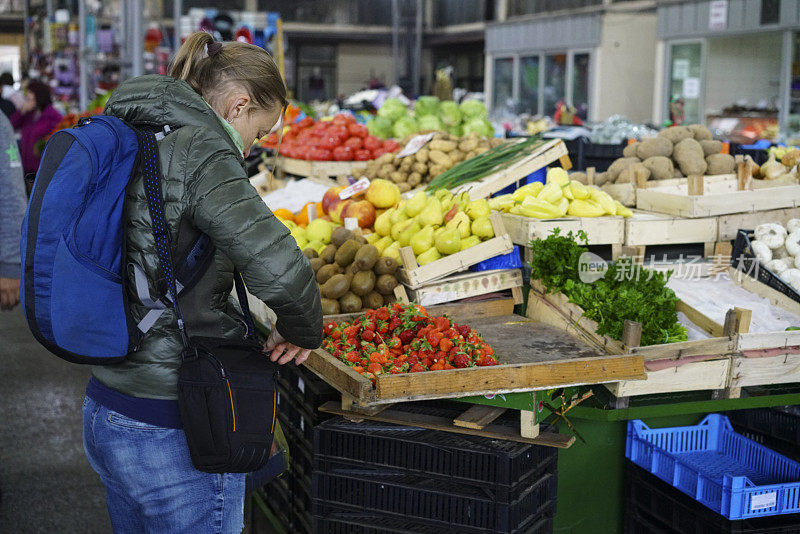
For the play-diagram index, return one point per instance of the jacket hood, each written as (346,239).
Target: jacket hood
(155,100)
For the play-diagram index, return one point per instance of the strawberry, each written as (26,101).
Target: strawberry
(375,368)
(461,360)
(406,336)
(442,323)
(416,368)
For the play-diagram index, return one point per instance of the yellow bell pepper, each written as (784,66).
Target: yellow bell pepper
(501,203)
(530,190)
(563,207)
(557,175)
(578,190)
(604,200)
(622,210)
(585,208)
(551,193)
(537,209)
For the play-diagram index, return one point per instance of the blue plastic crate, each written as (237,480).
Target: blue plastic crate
(512,260)
(731,474)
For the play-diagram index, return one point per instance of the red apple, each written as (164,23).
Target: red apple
(337,211)
(363,210)
(331,199)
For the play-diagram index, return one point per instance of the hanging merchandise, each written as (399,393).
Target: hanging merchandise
(223,23)
(244,35)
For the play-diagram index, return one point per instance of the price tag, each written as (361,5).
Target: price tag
(350,223)
(413,146)
(765,500)
(352,190)
(311,212)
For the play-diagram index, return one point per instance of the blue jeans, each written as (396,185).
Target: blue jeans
(151,484)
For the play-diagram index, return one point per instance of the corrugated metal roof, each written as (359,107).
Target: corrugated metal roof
(578,31)
(690,19)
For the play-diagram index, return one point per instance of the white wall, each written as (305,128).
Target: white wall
(356,63)
(625,66)
(745,67)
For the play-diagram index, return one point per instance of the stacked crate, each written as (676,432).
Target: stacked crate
(379,478)
(777,428)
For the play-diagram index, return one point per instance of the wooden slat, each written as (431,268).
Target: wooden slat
(729,225)
(461,286)
(656,229)
(340,376)
(768,340)
(709,205)
(459,312)
(781,369)
(301,167)
(495,431)
(599,230)
(508,378)
(774,296)
(716,346)
(707,324)
(478,416)
(688,377)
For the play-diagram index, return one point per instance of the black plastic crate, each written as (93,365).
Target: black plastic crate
(776,428)
(651,501)
(469,508)
(457,457)
(336,521)
(744,260)
(760,156)
(601,156)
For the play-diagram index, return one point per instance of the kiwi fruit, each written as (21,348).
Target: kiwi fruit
(385,284)
(340,235)
(326,272)
(363,283)
(330,306)
(366,257)
(336,286)
(385,266)
(373,300)
(316,263)
(350,303)
(328,253)
(310,253)
(345,254)
(360,239)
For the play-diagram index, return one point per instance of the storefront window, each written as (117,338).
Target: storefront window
(503,90)
(555,81)
(685,86)
(580,84)
(529,84)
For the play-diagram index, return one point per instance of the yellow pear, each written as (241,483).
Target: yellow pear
(383,242)
(399,215)
(460,221)
(405,236)
(482,227)
(449,241)
(428,256)
(432,214)
(372,238)
(400,227)
(422,240)
(416,204)
(478,208)
(471,241)
(383,224)
(392,251)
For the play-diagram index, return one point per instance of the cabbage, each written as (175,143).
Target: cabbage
(449,113)
(380,127)
(392,109)
(457,130)
(405,126)
(429,122)
(473,109)
(482,127)
(426,105)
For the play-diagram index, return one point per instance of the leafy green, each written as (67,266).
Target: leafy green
(449,113)
(426,105)
(392,109)
(626,292)
(473,109)
(429,122)
(380,127)
(405,126)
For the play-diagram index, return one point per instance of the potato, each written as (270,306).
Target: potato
(404,187)
(385,171)
(578,177)
(358,172)
(456,155)
(649,148)
(414,179)
(711,147)
(496,141)
(720,164)
(405,165)
(676,173)
(690,158)
(442,146)
(615,168)
(420,168)
(630,150)
(468,145)
(640,172)
(470,155)
(625,195)
(700,132)
(386,158)
(660,167)
(601,178)
(791,158)
(480,150)
(676,134)
(440,158)
(421,155)
(398,177)
(436,170)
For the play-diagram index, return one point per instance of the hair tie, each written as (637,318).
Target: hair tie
(213,49)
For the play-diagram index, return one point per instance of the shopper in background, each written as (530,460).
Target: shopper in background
(34,120)
(9,94)
(217,102)
(12,210)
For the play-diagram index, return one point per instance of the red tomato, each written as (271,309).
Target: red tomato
(354,142)
(362,155)
(339,133)
(306,122)
(343,118)
(358,130)
(320,154)
(378,153)
(343,153)
(390,145)
(372,143)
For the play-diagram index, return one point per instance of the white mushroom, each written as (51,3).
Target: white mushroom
(780,253)
(761,251)
(788,261)
(776,266)
(792,243)
(793,225)
(792,277)
(771,234)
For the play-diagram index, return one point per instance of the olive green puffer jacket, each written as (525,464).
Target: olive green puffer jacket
(205,190)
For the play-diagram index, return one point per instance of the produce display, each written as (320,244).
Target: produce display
(781,165)
(338,139)
(405,339)
(363,207)
(351,274)
(315,235)
(558,197)
(627,291)
(395,120)
(777,248)
(439,155)
(676,152)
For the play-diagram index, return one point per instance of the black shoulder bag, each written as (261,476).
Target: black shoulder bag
(226,389)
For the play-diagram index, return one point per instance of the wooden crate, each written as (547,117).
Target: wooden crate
(599,230)
(753,285)
(541,157)
(301,167)
(532,356)
(467,285)
(626,192)
(646,228)
(729,225)
(415,275)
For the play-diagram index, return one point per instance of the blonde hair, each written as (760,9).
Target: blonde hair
(211,69)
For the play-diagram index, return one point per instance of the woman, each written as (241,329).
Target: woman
(34,120)
(217,101)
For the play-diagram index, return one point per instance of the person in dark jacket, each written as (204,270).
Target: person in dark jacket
(217,101)
(34,121)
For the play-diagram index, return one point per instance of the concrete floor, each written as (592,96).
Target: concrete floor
(46,482)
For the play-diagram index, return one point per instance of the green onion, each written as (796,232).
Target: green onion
(491,161)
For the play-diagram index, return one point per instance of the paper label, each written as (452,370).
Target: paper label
(301,385)
(350,223)
(680,69)
(354,189)
(765,500)
(311,212)
(718,15)
(413,146)
(691,88)
(429,299)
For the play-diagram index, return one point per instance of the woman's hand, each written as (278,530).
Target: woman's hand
(282,351)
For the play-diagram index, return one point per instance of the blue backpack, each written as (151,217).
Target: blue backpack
(73,281)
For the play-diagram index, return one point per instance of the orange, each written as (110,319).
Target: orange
(284,214)
(302,215)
